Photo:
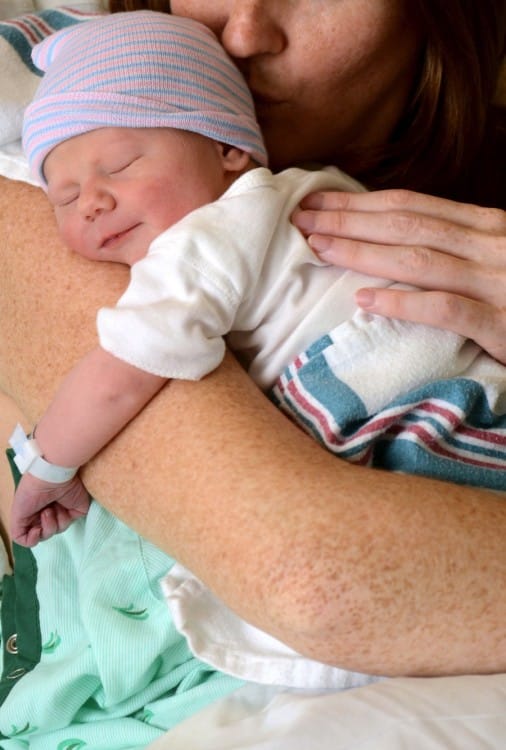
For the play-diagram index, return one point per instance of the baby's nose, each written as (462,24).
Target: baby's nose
(94,201)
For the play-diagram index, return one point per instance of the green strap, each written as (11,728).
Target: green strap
(21,638)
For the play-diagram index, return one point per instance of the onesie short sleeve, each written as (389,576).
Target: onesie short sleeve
(172,318)
(184,296)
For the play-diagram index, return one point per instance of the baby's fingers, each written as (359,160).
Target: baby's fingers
(29,538)
(48,522)
(55,519)
(26,533)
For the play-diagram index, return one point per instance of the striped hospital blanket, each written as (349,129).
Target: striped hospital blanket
(403,397)
(19,77)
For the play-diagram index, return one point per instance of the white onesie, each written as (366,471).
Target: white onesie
(236,268)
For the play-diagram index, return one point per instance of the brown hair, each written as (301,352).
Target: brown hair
(451,121)
(116,6)
(445,142)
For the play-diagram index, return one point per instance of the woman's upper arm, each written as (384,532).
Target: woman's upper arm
(369,570)
(49,298)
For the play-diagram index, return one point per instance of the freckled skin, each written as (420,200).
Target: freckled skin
(340,71)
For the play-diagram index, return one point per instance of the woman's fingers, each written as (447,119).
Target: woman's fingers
(412,238)
(416,265)
(410,229)
(491,220)
(454,251)
(479,321)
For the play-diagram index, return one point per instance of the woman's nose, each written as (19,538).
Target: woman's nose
(253,27)
(94,200)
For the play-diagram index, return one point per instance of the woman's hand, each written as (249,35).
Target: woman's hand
(455,252)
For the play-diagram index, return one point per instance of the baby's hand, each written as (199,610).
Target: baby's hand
(42,509)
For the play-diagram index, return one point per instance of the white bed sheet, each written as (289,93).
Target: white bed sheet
(450,713)
(13,163)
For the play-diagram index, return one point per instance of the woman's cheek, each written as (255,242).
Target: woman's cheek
(200,10)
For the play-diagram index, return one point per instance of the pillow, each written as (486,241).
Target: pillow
(11,8)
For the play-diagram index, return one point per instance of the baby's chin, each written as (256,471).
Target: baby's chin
(127,246)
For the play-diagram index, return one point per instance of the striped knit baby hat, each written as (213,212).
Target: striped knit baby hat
(140,70)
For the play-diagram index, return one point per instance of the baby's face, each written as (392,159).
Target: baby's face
(115,189)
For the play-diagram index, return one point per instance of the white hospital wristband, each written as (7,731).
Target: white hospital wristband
(28,458)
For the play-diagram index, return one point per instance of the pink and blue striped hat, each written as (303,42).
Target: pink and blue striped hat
(140,69)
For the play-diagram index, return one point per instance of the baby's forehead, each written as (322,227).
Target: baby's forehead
(68,155)
(97,142)
(107,145)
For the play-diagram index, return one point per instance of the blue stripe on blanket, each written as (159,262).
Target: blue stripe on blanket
(449,432)
(25,31)
(444,429)
(307,386)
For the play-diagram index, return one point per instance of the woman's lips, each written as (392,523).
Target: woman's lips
(265,100)
(266,108)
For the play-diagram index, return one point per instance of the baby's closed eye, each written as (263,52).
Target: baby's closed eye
(123,164)
(60,199)
(67,200)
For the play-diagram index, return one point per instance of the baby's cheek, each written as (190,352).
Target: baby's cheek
(166,204)
(78,239)
(65,228)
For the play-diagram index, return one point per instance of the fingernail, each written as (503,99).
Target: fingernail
(365,298)
(320,243)
(313,200)
(301,219)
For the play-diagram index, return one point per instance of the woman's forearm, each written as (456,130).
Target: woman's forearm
(369,570)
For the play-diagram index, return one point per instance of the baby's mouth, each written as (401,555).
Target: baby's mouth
(113,239)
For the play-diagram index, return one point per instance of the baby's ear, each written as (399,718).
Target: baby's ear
(234,159)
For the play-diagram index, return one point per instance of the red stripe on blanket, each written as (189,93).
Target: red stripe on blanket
(435,443)
(455,418)
(388,424)
(27,31)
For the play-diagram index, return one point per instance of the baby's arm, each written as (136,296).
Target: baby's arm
(95,401)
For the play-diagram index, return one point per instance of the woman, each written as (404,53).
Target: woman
(372,571)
